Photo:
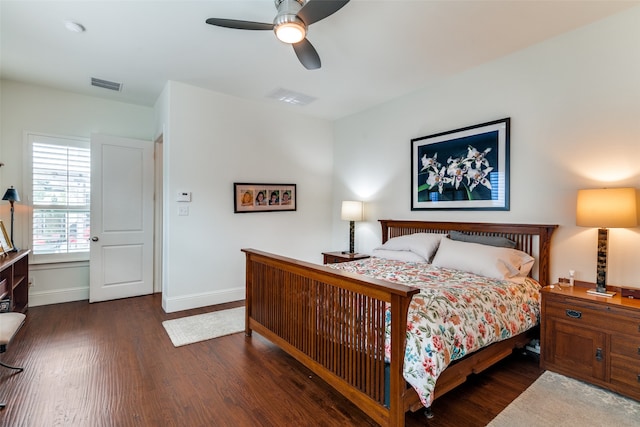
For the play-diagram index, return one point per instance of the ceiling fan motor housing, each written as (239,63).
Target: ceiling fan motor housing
(287,26)
(280,2)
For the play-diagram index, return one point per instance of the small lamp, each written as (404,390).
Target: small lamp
(351,211)
(605,208)
(12,196)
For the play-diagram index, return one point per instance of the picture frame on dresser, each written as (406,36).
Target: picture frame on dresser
(5,241)
(462,169)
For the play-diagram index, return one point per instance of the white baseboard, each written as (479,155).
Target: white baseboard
(58,296)
(171,305)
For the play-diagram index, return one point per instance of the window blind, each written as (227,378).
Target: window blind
(61,198)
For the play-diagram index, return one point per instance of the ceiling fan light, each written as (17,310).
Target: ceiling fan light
(290,32)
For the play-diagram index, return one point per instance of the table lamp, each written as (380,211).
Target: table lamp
(605,208)
(12,196)
(351,211)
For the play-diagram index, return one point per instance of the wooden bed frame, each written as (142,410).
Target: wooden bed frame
(333,322)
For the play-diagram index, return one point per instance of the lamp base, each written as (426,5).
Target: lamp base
(607,294)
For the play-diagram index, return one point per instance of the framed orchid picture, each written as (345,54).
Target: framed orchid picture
(466,168)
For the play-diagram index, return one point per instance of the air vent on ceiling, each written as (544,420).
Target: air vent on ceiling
(106,84)
(291,97)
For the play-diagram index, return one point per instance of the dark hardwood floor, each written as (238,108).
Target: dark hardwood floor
(112,364)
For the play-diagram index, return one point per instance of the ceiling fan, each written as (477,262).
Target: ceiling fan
(290,25)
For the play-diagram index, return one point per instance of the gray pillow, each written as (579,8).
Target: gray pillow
(501,242)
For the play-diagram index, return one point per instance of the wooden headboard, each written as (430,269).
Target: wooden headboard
(534,239)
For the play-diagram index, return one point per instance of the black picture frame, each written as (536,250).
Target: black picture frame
(249,197)
(462,169)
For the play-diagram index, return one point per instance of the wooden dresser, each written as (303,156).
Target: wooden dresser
(591,338)
(14,279)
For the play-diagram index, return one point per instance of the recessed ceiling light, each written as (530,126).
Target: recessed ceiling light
(74,27)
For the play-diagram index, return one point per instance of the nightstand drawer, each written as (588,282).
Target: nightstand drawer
(598,316)
(626,373)
(576,349)
(626,346)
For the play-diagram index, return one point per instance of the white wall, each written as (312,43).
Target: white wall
(43,110)
(574,104)
(211,141)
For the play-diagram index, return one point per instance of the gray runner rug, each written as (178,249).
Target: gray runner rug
(201,327)
(556,400)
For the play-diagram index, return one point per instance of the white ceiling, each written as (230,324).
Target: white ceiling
(372,51)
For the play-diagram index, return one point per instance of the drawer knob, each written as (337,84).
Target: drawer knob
(599,354)
(575,314)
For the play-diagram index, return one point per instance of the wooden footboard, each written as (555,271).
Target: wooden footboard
(333,322)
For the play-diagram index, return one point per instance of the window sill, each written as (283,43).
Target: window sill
(57,259)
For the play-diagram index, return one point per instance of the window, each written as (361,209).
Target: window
(61,196)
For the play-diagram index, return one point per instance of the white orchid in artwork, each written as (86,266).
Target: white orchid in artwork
(429,162)
(467,171)
(478,176)
(477,157)
(438,179)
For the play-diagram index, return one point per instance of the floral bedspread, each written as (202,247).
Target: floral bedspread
(454,314)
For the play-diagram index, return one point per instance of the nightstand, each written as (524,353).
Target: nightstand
(591,338)
(337,257)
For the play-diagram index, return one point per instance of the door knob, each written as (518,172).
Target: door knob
(94,239)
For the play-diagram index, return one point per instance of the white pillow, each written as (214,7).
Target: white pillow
(406,256)
(484,260)
(423,244)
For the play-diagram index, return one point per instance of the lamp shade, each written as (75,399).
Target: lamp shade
(11,195)
(607,208)
(351,211)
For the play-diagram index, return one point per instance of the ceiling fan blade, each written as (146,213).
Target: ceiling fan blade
(240,25)
(307,54)
(315,10)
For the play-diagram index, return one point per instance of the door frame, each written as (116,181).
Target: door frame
(158,213)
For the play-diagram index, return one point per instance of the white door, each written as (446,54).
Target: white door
(121,259)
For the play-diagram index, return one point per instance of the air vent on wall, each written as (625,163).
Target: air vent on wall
(106,84)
